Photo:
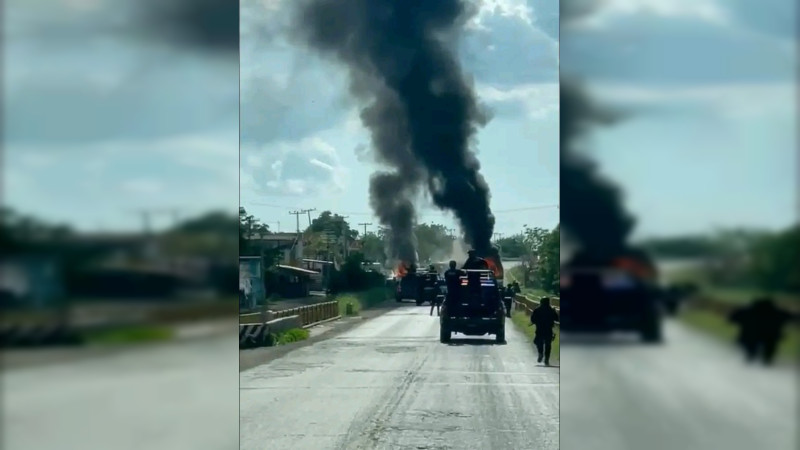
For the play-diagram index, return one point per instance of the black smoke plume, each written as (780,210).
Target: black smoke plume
(205,25)
(592,209)
(423,113)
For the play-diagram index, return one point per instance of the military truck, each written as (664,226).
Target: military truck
(475,310)
(409,287)
(601,293)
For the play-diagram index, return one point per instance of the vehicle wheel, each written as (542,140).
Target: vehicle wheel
(444,335)
(501,336)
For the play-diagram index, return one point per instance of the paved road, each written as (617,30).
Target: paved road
(389,384)
(690,394)
(172,397)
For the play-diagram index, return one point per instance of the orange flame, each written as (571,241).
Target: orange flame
(496,270)
(637,268)
(401,270)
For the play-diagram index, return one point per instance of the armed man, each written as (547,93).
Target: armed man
(452,279)
(544,317)
(508,299)
(474,262)
(760,328)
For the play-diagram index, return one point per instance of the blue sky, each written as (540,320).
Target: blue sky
(102,120)
(100,123)
(304,147)
(713,143)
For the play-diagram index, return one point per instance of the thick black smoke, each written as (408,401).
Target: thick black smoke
(592,209)
(206,25)
(423,113)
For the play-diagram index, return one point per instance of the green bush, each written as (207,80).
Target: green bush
(289,336)
(361,300)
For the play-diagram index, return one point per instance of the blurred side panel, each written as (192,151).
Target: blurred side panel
(119,232)
(679,291)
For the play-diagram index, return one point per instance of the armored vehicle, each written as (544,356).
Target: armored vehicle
(476,309)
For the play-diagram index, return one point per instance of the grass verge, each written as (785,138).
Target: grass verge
(289,336)
(129,335)
(361,300)
(717,326)
(522,321)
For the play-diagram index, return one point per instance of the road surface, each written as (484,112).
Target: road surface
(690,394)
(390,384)
(174,396)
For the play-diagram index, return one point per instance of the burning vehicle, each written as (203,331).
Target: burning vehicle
(420,285)
(611,293)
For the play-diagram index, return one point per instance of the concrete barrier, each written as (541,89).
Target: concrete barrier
(252,335)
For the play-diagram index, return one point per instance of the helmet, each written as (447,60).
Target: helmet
(472,252)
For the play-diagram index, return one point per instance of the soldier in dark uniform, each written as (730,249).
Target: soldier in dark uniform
(474,262)
(544,317)
(508,299)
(452,278)
(760,328)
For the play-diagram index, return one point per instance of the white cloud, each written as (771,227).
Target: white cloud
(304,167)
(537,100)
(711,11)
(734,100)
(510,9)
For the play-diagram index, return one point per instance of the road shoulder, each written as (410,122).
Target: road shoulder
(251,358)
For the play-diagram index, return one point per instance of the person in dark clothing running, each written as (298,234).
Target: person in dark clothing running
(544,317)
(474,262)
(760,329)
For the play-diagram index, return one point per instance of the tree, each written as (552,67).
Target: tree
(373,247)
(775,261)
(327,222)
(547,271)
(512,246)
(433,241)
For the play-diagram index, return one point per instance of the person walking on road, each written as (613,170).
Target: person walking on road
(544,317)
(760,329)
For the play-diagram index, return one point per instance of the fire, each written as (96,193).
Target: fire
(401,270)
(637,268)
(496,270)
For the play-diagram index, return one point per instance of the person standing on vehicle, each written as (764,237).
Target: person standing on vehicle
(452,279)
(544,317)
(474,262)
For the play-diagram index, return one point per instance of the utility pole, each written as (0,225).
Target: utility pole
(308,211)
(296,215)
(365,225)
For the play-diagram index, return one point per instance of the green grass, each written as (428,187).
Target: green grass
(361,300)
(289,336)
(716,326)
(522,321)
(129,335)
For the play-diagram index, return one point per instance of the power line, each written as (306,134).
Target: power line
(424,213)
(364,224)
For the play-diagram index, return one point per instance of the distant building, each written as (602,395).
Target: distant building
(290,244)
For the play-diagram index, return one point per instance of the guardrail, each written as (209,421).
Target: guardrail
(527,304)
(309,314)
